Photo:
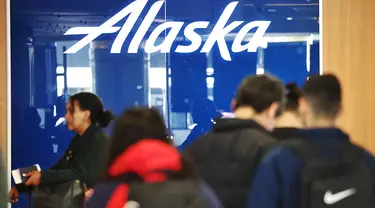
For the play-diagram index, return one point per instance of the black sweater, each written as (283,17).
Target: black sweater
(84,160)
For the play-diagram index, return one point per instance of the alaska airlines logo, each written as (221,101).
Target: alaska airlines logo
(133,11)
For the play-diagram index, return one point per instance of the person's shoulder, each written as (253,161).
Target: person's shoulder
(280,155)
(198,142)
(100,136)
(369,159)
(261,136)
(255,138)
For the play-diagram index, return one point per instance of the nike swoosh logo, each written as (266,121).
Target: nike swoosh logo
(330,198)
(132,204)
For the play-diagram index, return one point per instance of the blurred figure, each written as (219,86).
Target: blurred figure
(29,139)
(288,123)
(3,183)
(16,120)
(84,159)
(145,170)
(228,156)
(204,113)
(322,168)
(37,146)
(17,140)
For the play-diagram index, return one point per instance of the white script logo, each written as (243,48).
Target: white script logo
(330,198)
(133,11)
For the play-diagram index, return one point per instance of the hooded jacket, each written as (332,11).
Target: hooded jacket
(152,161)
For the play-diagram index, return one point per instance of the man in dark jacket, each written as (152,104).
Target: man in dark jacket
(278,182)
(227,157)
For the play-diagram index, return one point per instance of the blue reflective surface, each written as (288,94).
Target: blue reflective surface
(189,89)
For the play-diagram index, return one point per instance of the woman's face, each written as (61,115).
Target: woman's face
(75,117)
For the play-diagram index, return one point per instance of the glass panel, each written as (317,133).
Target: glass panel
(185,57)
(54,57)
(235,40)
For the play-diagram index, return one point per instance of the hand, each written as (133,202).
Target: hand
(34,178)
(13,195)
(88,194)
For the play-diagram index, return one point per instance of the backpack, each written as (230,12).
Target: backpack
(168,194)
(333,175)
(173,192)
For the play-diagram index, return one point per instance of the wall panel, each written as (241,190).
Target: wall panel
(348,44)
(348,52)
(3,77)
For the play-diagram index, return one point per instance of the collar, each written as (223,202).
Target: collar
(89,131)
(324,134)
(80,140)
(284,133)
(228,124)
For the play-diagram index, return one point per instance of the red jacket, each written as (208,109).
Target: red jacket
(149,159)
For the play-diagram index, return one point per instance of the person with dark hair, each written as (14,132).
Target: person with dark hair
(146,170)
(84,159)
(322,168)
(227,157)
(35,142)
(289,122)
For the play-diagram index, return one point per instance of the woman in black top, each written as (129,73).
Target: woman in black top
(84,160)
(289,122)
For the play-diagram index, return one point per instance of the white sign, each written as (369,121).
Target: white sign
(220,30)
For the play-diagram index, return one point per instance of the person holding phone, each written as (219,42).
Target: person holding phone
(84,159)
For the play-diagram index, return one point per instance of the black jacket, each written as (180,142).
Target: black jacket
(227,158)
(83,160)
(285,133)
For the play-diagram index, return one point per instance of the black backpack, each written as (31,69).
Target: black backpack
(333,175)
(168,194)
(174,192)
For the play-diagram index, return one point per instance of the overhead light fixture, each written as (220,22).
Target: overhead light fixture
(289,18)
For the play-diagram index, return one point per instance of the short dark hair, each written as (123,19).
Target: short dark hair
(133,125)
(293,95)
(259,92)
(324,94)
(91,102)
(139,123)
